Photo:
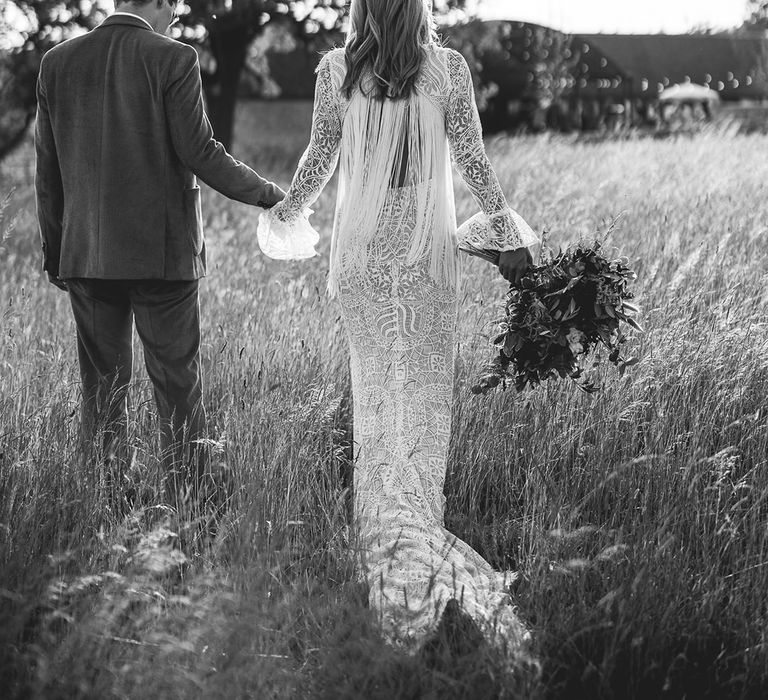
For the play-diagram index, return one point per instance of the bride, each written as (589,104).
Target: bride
(390,109)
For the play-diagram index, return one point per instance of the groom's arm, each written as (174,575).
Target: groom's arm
(196,146)
(49,190)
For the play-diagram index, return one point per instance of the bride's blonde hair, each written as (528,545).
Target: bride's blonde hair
(387,37)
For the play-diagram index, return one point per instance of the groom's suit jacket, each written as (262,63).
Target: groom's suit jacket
(121,134)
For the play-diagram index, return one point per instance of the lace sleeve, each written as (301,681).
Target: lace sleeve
(465,137)
(319,160)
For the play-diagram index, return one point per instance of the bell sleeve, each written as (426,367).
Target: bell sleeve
(496,227)
(284,232)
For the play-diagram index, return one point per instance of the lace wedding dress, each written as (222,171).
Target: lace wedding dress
(394,265)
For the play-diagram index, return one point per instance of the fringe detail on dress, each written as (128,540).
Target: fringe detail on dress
(394,145)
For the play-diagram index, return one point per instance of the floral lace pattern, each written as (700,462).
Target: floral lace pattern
(401,328)
(468,152)
(319,159)
(401,324)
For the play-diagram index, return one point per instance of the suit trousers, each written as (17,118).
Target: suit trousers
(167,319)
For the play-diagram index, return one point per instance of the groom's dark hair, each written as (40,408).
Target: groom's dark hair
(140,2)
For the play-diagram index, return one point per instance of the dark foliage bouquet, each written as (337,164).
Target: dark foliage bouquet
(561,311)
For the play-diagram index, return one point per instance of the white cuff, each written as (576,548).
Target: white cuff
(287,241)
(478,232)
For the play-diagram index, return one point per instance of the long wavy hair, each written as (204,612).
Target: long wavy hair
(385,40)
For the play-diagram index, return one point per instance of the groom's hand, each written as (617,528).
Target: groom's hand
(278,196)
(513,264)
(61,284)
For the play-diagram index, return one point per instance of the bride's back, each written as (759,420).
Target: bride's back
(393,144)
(391,107)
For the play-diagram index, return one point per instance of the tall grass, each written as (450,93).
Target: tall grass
(637,517)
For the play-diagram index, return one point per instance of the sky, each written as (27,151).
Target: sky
(620,16)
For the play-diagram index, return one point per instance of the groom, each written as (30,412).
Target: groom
(121,134)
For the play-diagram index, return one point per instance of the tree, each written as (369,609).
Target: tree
(230,27)
(222,29)
(521,71)
(757,15)
(28,28)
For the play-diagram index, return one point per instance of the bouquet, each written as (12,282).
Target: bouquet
(561,311)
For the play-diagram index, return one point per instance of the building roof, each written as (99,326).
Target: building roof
(640,65)
(736,66)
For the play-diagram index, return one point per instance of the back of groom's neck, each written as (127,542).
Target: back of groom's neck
(147,11)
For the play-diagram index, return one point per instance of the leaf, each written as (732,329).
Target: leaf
(635,324)
(573,283)
(510,343)
(604,337)
(556,293)
(631,362)
(589,388)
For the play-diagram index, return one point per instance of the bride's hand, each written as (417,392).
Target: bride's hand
(513,264)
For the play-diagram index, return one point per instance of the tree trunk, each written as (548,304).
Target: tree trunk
(229,41)
(10,139)
(18,99)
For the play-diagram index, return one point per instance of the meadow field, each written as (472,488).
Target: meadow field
(637,517)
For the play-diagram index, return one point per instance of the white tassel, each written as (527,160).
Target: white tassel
(386,146)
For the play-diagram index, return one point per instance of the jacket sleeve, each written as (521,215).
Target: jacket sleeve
(49,189)
(196,147)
